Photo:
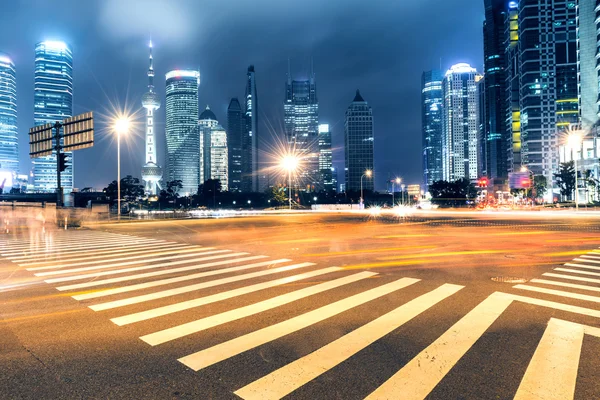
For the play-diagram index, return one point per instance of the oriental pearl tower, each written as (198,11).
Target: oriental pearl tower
(151,172)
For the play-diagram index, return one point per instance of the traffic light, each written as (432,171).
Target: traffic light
(62,162)
(483,182)
(525,182)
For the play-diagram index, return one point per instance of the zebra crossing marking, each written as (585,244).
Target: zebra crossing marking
(561,293)
(566,284)
(298,373)
(91,246)
(571,277)
(223,351)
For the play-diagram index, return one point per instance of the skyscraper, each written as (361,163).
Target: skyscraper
(512,88)
(250,156)
(359,140)
(151,172)
(325,158)
(235,132)
(494,135)
(460,121)
(53,101)
(544,36)
(183,142)
(9,135)
(431,123)
(589,50)
(213,149)
(301,120)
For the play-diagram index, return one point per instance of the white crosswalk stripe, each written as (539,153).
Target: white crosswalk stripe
(91,246)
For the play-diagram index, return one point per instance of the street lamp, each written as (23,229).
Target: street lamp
(368,173)
(525,169)
(574,141)
(397,181)
(290,163)
(121,127)
(402,193)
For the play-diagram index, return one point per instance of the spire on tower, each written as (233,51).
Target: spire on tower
(151,69)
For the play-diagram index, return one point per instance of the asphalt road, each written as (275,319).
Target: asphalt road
(311,306)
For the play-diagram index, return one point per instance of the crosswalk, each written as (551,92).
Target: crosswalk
(128,275)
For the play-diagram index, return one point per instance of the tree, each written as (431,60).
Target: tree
(540,185)
(211,187)
(455,193)
(565,178)
(131,189)
(278,195)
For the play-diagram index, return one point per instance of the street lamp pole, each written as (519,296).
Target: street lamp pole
(121,127)
(290,188)
(367,173)
(574,140)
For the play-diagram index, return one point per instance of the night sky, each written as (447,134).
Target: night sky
(378,46)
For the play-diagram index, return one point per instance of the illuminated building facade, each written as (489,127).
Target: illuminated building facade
(359,140)
(494,144)
(183,142)
(235,133)
(301,120)
(512,90)
(213,149)
(9,134)
(151,172)
(326,159)
(53,101)
(460,123)
(250,162)
(431,120)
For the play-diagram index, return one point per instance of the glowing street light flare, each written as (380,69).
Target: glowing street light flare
(290,163)
(121,126)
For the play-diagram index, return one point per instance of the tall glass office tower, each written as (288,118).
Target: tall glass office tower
(9,135)
(359,142)
(53,101)
(235,133)
(213,149)
(326,158)
(250,162)
(301,120)
(431,117)
(460,121)
(183,142)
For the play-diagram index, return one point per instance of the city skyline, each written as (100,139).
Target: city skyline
(96,82)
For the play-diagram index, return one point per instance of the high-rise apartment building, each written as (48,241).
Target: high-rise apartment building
(213,149)
(53,101)
(460,121)
(9,135)
(326,158)
(431,119)
(250,155)
(183,142)
(301,120)
(235,133)
(151,172)
(494,144)
(359,140)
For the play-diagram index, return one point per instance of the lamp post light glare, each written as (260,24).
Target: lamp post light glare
(121,127)
(397,181)
(290,164)
(368,173)
(574,141)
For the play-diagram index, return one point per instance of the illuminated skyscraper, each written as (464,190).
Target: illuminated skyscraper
(301,120)
(213,149)
(359,142)
(235,132)
(9,135)
(460,121)
(183,142)
(53,101)
(151,172)
(250,156)
(431,117)
(325,158)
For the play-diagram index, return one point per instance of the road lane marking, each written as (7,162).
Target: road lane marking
(186,305)
(189,288)
(52,240)
(586,260)
(75,244)
(593,267)
(550,304)
(577,271)
(124,289)
(561,293)
(189,328)
(144,258)
(298,373)
(223,351)
(106,255)
(595,257)
(565,284)
(423,373)
(552,372)
(67,250)
(157,273)
(571,277)
(219,254)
